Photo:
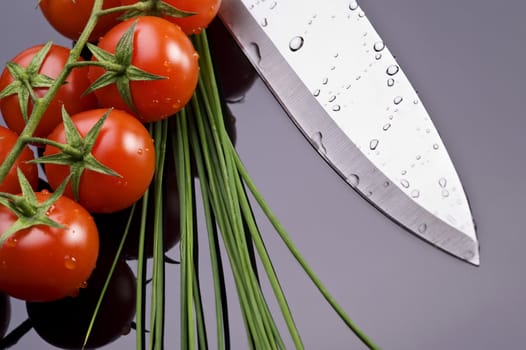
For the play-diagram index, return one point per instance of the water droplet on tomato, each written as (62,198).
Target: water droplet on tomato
(83,285)
(296,43)
(140,151)
(70,262)
(50,210)
(11,242)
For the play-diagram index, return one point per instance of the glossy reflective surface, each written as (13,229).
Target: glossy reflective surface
(466,60)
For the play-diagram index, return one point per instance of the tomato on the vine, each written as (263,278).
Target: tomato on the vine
(69,17)
(123,145)
(160,48)
(204,12)
(43,263)
(70,94)
(10,183)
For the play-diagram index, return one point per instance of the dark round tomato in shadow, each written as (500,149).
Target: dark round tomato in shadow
(112,226)
(235,72)
(63,323)
(5,313)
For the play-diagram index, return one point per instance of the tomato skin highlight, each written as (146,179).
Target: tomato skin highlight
(160,48)
(70,17)
(43,263)
(205,11)
(10,183)
(124,145)
(70,94)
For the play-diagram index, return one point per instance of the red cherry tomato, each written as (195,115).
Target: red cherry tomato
(43,263)
(205,11)
(160,48)
(70,94)
(69,17)
(10,183)
(124,145)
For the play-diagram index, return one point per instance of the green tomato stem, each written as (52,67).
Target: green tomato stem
(41,104)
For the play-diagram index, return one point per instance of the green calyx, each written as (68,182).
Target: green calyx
(27,208)
(119,68)
(26,79)
(76,152)
(156,8)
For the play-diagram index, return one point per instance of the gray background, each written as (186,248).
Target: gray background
(466,58)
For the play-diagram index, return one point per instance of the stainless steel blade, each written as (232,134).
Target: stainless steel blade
(343,88)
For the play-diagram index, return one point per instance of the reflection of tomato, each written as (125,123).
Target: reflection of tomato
(160,48)
(43,263)
(115,223)
(10,183)
(70,94)
(64,322)
(69,17)
(205,11)
(124,145)
(235,73)
(5,313)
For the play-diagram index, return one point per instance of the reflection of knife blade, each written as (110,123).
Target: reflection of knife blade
(338,81)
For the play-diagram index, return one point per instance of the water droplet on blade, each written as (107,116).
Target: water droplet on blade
(296,43)
(392,70)
(442,182)
(353,180)
(390,82)
(397,100)
(404,183)
(353,6)
(318,142)
(373,144)
(422,228)
(415,193)
(316,93)
(379,46)
(336,108)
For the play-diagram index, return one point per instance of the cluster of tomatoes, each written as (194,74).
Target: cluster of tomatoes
(94,144)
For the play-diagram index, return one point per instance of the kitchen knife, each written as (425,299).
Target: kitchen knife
(339,83)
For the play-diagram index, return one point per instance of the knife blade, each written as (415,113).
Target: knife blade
(339,83)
